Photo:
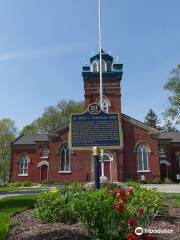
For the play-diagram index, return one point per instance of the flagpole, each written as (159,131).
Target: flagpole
(101,83)
(100,53)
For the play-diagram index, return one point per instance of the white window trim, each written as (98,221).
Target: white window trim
(162,152)
(96,66)
(106,101)
(139,171)
(28,161)
(41,152)
(104,65)
(22,175)
(44,157)
(107,64)
(142,161)
(65,171)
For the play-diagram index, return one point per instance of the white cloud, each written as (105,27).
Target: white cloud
(51,51)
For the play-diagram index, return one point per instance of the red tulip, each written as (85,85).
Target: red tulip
(121,193)
(130,190)
(120,207)
(124,199)
(132,222)
(147,237)
(132,236)
(140,212)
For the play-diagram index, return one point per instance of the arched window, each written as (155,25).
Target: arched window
(105,106)
(142,157)
(105,103)
(108,67)
(44,152)
(103,66)
(65,159)
(94,67)
(162,152)
(107,156)
(23,160)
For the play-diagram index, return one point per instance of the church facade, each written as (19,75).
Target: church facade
(38,157)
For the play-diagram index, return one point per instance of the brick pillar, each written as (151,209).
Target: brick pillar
(92,168)
(120,166)
(114,167)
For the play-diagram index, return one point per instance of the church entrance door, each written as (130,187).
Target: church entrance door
(44,173)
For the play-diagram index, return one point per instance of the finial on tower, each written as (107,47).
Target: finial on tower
(117,59)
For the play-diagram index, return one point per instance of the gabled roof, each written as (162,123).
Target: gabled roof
(174,137)
(139,124)
(30,139)
(61,127)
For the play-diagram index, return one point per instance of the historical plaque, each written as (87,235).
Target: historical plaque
(95,128)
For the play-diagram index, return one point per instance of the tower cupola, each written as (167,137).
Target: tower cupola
(112,76)
(107,61)
(107,65)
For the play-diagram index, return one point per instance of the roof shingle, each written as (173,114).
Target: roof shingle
(174,136)
(30,139)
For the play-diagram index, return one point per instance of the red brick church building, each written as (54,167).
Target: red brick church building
(38,157)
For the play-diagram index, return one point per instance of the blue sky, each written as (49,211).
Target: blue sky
(45,43)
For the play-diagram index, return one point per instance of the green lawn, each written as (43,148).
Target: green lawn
(11,205)
(172,198)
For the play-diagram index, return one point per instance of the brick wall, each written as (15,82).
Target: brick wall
(132,135)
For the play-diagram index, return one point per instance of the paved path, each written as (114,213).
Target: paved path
(166,188)
(17,193)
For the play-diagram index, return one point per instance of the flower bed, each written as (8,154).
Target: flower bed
(109,213)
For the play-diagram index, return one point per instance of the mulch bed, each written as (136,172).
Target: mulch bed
(29,229)
(169,220)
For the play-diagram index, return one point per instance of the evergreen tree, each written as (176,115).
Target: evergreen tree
(152,120)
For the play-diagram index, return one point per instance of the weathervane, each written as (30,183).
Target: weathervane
(117,59)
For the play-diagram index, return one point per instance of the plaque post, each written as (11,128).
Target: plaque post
(96,167)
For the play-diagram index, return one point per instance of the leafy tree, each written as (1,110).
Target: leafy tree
(66,108)
(151,120)
(173,85)
(8,132)
(28,129)
(54,116)
(169,127)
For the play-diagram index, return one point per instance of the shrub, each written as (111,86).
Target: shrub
(15,184)
(4,184)
(109,186)
(147,199)
(109,213)
(69,191)
(54,206)
(156,181)
(26,184)
(167,180)
(44,182)
(50,207)
(96,211)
